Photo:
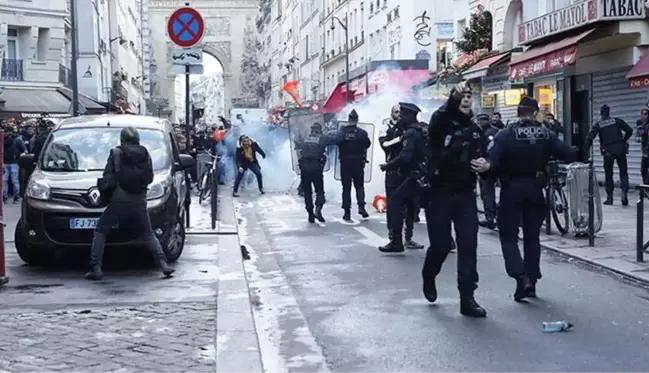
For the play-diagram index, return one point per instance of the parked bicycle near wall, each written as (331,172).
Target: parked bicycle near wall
(557,197)
(207,177)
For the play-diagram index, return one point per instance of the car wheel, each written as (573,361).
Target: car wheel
(29,255)
(174,248)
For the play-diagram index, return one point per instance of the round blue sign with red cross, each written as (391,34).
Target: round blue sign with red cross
(185,27)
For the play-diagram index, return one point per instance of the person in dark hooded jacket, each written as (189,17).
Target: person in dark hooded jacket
(246,158)
(127,174)
(454,141)
(13,148)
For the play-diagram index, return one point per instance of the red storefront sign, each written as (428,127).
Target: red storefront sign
(639,82)
(543,64)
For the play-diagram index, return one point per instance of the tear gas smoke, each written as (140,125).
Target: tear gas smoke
(277,168)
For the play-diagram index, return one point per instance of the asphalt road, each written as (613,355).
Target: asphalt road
(326,299)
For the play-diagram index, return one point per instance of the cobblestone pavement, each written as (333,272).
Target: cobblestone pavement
(168,337)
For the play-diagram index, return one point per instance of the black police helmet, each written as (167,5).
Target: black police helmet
(529,102)
(409,108)
(353,115)
(605,110)
(482,117)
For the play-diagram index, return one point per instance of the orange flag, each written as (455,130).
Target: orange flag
(291,88)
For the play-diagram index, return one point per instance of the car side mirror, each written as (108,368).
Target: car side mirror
(27,160)
(185,162)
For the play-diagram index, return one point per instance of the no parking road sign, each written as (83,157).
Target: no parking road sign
(185,27)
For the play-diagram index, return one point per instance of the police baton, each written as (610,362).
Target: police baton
(591,200)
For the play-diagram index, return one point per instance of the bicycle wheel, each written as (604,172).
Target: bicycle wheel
(559,208)
(205,187)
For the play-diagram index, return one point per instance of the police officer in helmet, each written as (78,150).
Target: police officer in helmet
(520,154)
(391,143)
(454,141)
(405,172)
(486,181)
(352,149)
(312,159)
(614,147)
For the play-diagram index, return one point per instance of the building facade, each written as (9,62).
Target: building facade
(126,38)
(34,58)
(93,64)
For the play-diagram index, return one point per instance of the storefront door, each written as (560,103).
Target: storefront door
(581,123)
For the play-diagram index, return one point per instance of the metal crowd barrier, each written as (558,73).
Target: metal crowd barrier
(641,245)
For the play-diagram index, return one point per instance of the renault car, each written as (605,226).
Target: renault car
(61,204)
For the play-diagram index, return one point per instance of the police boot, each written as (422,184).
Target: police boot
(413,245)
(347,216)
(609,199)
(469,307)
(394,246)
(318,214)
(532,292)
(362,212)
(430,289)
(625,198)
(523,288)
(311,217)
(95,273)
(165,268)
(488,223)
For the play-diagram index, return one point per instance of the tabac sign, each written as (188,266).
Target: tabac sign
(580,13)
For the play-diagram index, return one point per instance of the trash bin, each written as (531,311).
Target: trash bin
(577,189)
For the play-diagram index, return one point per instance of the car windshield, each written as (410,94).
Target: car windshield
(86,149)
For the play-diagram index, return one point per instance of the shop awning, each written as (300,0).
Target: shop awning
(545,58)
(336,100)
(480,69)
(639,75)
(92,106)
(29,101)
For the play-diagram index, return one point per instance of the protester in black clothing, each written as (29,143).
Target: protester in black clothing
(127,174)
(13,148)
(246,158)
(642,136)
(496,121)
(553,125)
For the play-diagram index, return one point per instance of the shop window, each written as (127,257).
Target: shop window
(546,96)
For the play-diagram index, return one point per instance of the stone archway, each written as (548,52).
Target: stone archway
(513,17)
(225,22)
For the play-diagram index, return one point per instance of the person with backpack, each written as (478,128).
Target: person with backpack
(123,189)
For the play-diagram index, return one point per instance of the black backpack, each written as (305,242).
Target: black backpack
(133,171)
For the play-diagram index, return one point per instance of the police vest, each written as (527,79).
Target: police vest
(311,148)
(349,147)
(527,151)
(609,132)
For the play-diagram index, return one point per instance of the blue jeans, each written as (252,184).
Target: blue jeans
(10,170)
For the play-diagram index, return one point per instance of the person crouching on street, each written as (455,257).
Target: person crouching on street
(246,158)
(127,175)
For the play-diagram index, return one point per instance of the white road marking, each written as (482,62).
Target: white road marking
(371,238)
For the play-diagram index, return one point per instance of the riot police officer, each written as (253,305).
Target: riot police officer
(454,141)
(486,181)
(614,148)
(521,154)
(391,143)
(352,149)
(405,173)
(312,160)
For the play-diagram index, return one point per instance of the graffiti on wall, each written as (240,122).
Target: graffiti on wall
(422,29)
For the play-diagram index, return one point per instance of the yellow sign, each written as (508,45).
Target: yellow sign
(488,101)
(513,97)
(545,96)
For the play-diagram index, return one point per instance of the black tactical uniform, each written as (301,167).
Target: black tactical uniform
(392,145)
(455,140)
(312,160)
(406,168)
(614,148)
(352,151)
(487,181)
(521,154)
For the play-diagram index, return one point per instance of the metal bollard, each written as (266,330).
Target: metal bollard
(591,203)
(214,190)
(639,229)
(3,266)
(548,217)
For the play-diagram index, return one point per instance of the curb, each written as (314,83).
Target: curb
(237,341)
(589,262)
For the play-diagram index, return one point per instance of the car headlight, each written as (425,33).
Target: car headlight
(39,189)
(158,189)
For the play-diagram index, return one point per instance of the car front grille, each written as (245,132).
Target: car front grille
(77,196)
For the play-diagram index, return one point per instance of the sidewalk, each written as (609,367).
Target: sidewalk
(615,244)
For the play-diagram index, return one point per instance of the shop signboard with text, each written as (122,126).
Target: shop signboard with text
(639,82)
(543,64)
(579,14)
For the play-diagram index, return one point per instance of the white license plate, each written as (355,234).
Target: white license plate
(83,223)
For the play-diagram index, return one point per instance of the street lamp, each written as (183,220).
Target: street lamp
(344,26)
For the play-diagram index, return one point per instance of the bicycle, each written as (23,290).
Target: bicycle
(557,195)
(207,178)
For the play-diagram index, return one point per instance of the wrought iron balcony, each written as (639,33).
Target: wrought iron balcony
(12,70)
(65,76)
